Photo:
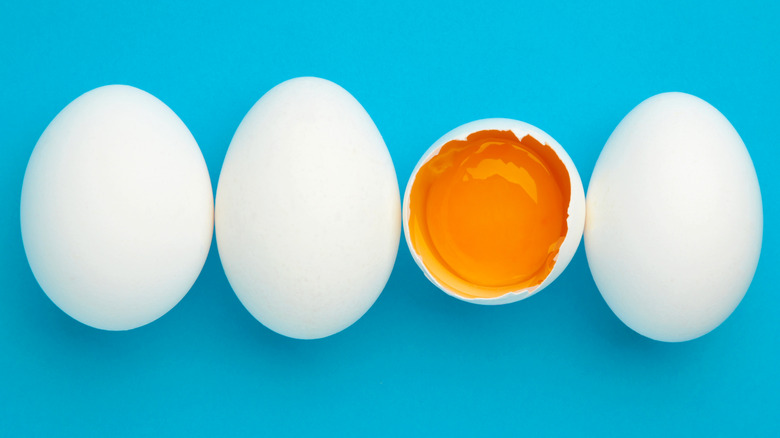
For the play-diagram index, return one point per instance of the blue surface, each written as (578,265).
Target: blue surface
(419,361)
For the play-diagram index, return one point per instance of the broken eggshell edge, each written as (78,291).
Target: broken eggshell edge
(576,211)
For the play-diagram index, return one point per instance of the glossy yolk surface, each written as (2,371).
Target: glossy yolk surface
(488,214)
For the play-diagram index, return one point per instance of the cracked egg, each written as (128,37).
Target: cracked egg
(494,211)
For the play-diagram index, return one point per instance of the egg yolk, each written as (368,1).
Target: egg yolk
(488,214)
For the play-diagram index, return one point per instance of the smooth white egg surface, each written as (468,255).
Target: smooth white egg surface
(308,210)
(116,209)
(494,211)
(674,218)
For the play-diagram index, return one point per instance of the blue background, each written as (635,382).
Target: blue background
(419,361)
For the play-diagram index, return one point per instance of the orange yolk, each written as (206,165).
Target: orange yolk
(488,214)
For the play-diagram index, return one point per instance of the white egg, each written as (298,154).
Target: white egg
(307,210)
(494,211)
(674,218)
(116,209)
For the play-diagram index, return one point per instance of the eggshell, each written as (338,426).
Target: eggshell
(307,210)
(576,211)
(116,209)
(674,224)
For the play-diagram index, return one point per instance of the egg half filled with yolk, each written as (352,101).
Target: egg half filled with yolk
(488,211)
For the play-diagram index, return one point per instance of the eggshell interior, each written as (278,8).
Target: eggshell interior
(575,212)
